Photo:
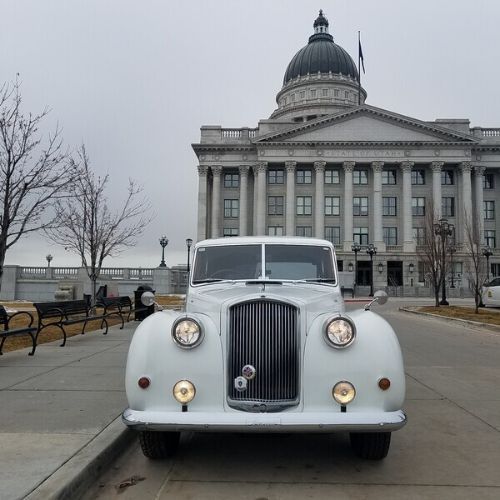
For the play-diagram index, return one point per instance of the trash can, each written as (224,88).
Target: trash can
(141,311)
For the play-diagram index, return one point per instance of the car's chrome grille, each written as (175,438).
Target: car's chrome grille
(264,334)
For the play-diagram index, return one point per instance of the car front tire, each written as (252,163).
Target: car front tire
(371,445)
(157,445)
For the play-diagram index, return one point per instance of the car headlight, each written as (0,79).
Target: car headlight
(187,333)
(340,332)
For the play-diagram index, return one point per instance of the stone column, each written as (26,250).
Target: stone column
(260,173)
(348,226)
(243,231)
(290,198)
(202,202)
(378,235)
(319,212)
(436,188)
(408,242)
(465,168)
(478,179)
(216,172)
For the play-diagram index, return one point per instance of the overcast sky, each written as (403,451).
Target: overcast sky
(135,80)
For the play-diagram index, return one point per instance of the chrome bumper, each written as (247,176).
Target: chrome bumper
(264,422)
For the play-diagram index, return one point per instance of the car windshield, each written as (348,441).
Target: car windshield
(282,262)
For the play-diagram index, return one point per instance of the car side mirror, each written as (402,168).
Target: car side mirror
(380,297)
(148,299)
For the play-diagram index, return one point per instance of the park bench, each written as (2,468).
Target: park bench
(7,331)
(65,313)
(119,306)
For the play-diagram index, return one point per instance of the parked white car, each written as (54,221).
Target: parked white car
(265,345)
(491,292)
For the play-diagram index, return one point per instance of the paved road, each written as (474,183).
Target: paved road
(450,448)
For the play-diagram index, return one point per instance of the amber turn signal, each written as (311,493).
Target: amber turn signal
(384,383)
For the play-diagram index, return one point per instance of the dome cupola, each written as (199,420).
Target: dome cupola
(320,79)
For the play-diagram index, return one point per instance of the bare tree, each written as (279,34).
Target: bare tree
(33,173)
(474,267)
(430,253)
(89,228)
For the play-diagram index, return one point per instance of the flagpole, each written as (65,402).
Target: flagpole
(359,69)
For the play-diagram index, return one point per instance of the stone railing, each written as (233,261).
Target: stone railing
(217,134)
(486,133)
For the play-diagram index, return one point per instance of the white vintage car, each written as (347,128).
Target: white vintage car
(265,345)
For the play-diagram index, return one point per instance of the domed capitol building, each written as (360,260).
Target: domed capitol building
(326,164)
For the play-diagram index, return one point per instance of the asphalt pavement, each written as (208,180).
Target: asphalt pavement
(60,413)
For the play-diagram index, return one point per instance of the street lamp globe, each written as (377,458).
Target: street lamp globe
(163,242)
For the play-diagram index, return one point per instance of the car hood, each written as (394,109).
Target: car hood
(313,297)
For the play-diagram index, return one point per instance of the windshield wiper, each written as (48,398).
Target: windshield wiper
(321,280)
(208,280)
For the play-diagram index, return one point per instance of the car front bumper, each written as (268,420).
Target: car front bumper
(264,422)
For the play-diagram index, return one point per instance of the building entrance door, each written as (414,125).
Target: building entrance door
(395,273)
(364,273)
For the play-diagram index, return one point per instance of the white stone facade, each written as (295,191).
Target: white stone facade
(350,173)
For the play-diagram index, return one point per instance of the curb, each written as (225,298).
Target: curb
(466,322)
(75,476)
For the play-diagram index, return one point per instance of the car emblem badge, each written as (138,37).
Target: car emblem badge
(240,384)
(249,372)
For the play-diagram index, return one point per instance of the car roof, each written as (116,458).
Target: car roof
(259,240)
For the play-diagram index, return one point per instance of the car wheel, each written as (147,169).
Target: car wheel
(159,444)
(371,445)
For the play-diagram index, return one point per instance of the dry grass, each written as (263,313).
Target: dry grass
(53,333)
(468,313)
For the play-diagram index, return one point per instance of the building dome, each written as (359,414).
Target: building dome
(320,79)
(320,55)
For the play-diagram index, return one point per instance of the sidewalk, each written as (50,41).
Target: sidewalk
(60,414)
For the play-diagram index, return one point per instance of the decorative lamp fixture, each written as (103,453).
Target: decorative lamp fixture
(350,267)
(411,267)
(380,267)
(163,242)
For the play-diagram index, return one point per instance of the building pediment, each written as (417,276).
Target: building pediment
(367,124)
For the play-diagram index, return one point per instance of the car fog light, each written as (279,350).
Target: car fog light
(144,382)
(343,392)
(184,391)
(384,383)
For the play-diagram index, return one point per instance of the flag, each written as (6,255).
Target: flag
(361,58)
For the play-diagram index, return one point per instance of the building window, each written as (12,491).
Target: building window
(489,209)
(332,234)
(489,238)
(325,92)
(313,93)
(275,176)
(332,205)
(421,271)
(275,230)
(304,205)
(332,177)
(230,231)
(448,206)
(346,94)
(360,177)
(488,181)
(231,208)
(336,92)
(447,178)
(303,231)
(390,235)
(360,205)
(292,98)
(418,206)
(419,235)
(275,205)
(304,176)
(418,177)
(389,205)
(303,94)
(231,180)
(360,235)
(388,177)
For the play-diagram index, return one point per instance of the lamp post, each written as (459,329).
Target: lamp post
(163,243)
(443,229)
(189,242)
(451,250)
(487,252)
(49,258)
(371,250)
(356,248)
